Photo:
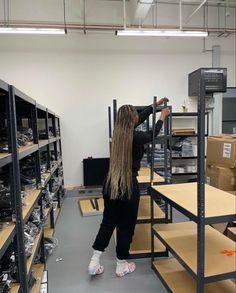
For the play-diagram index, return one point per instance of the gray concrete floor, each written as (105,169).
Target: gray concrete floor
(76,234)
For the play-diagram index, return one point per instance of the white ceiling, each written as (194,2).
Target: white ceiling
(110,13)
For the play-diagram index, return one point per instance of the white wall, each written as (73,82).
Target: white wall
(78,76)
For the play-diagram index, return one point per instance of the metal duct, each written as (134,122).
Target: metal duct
(141,8)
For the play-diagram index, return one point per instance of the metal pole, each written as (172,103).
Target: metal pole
(84,17)
(124,14)
(48,146)
(196,10)
(152,223)
(17,193)
(114,111)
(165,147)
(153,138)
(170,144)
(148,146)
(152,175)
(64,15)
(180,15)
(201,187)
(109,125)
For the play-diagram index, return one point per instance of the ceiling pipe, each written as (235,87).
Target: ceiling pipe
(230,4)
(124,14)
(180,15)
(84,16)
(142,8)
(195,11)
(76,26)
(64,15)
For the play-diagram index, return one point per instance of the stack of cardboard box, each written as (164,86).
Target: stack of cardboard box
(221,162)
(221,166)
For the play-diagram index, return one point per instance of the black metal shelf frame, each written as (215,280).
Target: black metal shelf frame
(14,101)
(148,255)
(184,174)
(185,158)
(37,247)
(187,135)
(167,168)
(206,133)
(6,160)
(191,216)
(200,218)
(161,139)
(7,242)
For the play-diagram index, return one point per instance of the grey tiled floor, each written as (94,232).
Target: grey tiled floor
(76,235)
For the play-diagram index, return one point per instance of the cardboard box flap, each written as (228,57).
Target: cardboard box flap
(224,136)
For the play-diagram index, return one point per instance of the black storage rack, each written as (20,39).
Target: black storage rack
(205,263)
(163,215)
(188,114)
(19,107)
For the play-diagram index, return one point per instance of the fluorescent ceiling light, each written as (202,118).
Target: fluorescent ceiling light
(26,30)
(161,33)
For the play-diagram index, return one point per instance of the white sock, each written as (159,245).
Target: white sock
(121,266)
(95,262)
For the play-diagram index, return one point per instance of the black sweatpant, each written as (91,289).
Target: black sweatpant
(122,215)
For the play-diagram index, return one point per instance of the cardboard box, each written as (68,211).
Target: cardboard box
(221,151)
(222,178)
(232,192)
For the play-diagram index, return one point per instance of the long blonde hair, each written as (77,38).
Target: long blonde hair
(120,170)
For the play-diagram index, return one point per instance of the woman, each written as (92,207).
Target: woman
(121,190)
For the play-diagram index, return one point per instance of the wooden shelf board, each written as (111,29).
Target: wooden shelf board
(57,213)
(144,176)
(185,195)
(88,210)
(31,199)
(182,238)
(5,233)
(144,212)
(34,251)
(38,274)
(4,155)
(27,148)
(15,288)
(48,232)
(46,212)
(43,142)
(142,240)
(180,281)
(54,168)
(46,178)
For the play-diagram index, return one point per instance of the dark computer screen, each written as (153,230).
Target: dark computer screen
(95,171)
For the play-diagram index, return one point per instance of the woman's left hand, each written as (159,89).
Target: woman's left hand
(161,101)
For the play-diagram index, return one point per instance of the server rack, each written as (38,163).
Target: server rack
(20,109)
(198,263)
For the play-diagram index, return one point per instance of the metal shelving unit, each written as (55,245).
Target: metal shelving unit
(20,109)
(166,169)
(197,263)
(178,116)
(141,244)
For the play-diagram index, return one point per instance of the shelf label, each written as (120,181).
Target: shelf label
(208,180)
(227,150)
